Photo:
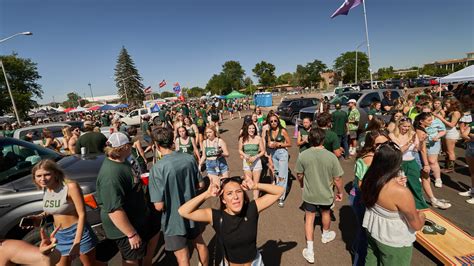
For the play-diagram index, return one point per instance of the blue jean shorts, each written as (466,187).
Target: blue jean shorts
(433,147)
(65,238)
(217,167)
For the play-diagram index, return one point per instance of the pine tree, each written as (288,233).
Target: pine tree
(128,81)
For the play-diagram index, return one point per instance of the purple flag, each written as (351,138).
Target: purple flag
(345,7)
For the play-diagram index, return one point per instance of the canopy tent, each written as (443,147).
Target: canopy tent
(107,107)
(122,105)
(94,108)
(155,108)
(465,74)
(60,109)
(218,96)
(235,95)
(78,110)
(67,110)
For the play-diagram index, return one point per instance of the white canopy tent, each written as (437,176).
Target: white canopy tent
(463,75)
(78,109)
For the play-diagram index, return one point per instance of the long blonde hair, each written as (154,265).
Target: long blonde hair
(52,167)
(411,130)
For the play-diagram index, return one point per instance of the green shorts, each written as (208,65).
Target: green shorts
(381,254)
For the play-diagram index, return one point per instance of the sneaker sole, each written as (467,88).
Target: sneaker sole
(324,241)
(309,261)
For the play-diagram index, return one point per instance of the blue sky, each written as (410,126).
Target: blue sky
(77,41)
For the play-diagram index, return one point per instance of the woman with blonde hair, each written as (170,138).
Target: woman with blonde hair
(63,200)
(67,135)
(214,152)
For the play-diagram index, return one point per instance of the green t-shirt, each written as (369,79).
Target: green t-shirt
(353,119)
(374,112)
(331,141)
(319,167)
(145,126)
(93,141)
(8,133)
(360,168)
(105,121)
(162,114)
(118,188)
(304,134)
(185,110)
(339,121)
(173,181)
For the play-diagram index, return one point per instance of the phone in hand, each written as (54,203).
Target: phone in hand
(27,222)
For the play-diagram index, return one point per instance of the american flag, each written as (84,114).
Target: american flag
(147,90)
(162,84)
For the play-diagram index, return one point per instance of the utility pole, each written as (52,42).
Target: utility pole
(90,88)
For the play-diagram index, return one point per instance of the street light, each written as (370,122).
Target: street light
(6,78)
(125,88)
(357,49)
(90,88)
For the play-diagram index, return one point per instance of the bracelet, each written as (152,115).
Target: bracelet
(132,236)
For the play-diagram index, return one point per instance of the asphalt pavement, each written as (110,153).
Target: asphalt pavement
(281,230)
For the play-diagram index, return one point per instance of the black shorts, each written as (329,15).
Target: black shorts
(128,253)
(173,243)
(309,207)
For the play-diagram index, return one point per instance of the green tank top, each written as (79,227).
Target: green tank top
(191,132)
(279,137)
(185,148)
(251,149)
(212,151)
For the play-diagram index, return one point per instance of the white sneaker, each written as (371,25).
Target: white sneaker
(308,255)
(465,193)
(470,201)
(328,237)
(439,183)
(440,204)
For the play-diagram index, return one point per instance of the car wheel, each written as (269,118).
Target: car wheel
(294,119)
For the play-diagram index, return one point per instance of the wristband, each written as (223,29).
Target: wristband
(132,236)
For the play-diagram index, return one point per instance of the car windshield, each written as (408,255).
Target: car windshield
(343,98)
(17,158)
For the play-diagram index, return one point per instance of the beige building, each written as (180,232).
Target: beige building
(453,63)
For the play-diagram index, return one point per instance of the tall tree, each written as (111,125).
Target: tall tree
(346,63)
(195,92)
(22,76)
(234,74)
(385,73)
(128,81)
(309,75)
(217,84)
(265,72)
(285,78)
(74,100)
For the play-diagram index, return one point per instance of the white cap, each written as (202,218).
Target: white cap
(352,101)
(118,139)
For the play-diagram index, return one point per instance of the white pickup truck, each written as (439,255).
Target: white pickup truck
(135,117)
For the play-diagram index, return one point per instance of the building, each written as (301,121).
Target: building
(454,63)
(104,99)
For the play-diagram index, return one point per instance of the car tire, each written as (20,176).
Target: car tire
(294,119)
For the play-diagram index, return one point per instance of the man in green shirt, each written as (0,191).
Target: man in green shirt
(123,209)
(339,126)
(353,125)
(145,128)
(302,141)
(318,170)
(173,181)
(331,141)
(94,142)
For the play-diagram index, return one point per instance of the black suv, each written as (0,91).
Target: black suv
(289,109)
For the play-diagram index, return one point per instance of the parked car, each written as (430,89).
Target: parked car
(288,109)
(134,118)
(19,197)
(55,128)
(364,99)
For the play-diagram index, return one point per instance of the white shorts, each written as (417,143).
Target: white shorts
(255,166)
(452,134)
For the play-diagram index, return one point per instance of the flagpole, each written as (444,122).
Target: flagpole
(368,44)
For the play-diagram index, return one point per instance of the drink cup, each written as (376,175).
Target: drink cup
(83,150)
(145,178)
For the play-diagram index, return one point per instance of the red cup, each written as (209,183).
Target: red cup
(145,178)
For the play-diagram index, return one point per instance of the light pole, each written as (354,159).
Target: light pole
(6,78)
(357,49)
(90,88)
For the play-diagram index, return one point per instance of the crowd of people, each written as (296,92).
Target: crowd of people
(393,165)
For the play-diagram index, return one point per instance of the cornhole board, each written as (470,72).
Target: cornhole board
(455,247)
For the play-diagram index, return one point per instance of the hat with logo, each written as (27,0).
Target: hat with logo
(117,139)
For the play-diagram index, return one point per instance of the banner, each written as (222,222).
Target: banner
(162,83)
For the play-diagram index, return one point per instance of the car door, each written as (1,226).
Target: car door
(368,99)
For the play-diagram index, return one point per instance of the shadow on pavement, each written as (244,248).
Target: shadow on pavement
(272,251)
(347,225)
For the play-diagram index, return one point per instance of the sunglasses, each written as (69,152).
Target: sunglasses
(389,144)
(273,121)
(404,119)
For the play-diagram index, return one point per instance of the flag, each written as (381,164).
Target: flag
(177,88)
(162,84)
(147,90)
(345,7)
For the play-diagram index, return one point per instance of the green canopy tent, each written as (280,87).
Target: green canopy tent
(235,95)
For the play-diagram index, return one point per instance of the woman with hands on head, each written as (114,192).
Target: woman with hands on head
(236,222)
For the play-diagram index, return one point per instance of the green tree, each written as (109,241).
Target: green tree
(195,92)
(309,75)
(234,74)
(74,100)
(22,76)
(265,72)
(346,62)
(217,84)
(167,94)
(385,73)
(285,78)
(128,81)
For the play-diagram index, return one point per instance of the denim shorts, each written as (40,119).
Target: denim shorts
(255,166)
(433,147)
(65,238)
(217,167)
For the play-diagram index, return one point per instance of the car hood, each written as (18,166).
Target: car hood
(76,167)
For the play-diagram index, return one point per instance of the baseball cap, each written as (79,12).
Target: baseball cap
(352,101)
(117,139)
